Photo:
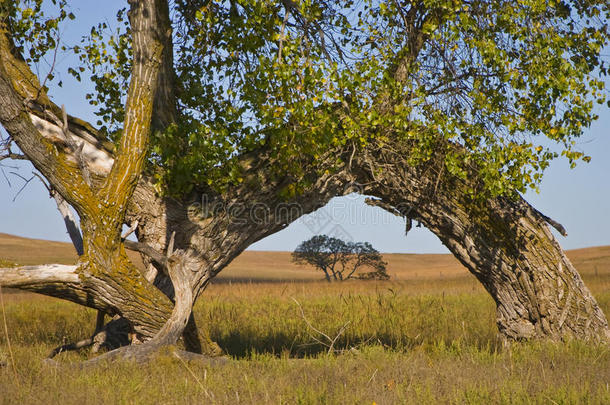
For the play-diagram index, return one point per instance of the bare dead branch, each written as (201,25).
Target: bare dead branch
(17,277)
(560,228)
(69,221)
(145,249)
(331,341)
(131,229)
(27,181)
(43,181)
(373,202)
(156,256)
(14,156)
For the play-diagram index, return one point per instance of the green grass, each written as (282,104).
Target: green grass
(399,322)
(401,343)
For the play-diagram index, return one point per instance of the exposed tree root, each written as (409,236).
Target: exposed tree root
(118,338)
(146,351)
(118,333)
(115,334)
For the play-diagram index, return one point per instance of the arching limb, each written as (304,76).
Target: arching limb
(504,242)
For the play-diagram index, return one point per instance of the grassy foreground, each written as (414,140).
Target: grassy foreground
(398,342)
(428,336)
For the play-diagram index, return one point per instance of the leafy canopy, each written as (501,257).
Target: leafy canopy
(513,83)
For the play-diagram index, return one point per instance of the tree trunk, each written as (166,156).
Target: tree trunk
(326,275)
(504,242)
(108,280)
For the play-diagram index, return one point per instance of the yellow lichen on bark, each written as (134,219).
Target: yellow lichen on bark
(104,269)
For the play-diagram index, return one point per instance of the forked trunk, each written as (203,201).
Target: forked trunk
(107,280)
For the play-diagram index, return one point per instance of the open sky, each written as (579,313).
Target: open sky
(578,198)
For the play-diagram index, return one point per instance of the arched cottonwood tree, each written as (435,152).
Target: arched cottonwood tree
(268,109)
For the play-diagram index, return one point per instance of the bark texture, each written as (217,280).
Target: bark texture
(108,280)
(504,242)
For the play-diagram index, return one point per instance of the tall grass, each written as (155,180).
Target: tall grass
(397,321)
(426,342)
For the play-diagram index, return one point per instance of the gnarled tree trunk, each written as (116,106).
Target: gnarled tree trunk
(107,279)
(504,242)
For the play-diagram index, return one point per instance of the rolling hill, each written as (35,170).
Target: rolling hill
(277,266)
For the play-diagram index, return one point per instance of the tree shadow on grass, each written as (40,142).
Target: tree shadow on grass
(241,345)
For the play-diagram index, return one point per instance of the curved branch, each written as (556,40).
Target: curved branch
(172,329)
(147,250)
(14,156)
(560,228)
(504,242)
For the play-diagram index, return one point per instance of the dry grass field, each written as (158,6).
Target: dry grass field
(426,336)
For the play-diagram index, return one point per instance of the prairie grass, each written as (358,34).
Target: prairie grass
(428,336)
(400,342)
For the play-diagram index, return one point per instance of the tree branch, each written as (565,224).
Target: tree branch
(373,202)
(24,276)
(145,249)
(151,32)
(69,221)
(172,329)
(560,228)
(14,156)
(19,93)
(131,229)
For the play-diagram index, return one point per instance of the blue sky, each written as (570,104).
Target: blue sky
(578,198)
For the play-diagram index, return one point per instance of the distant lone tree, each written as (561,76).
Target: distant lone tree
(340,260)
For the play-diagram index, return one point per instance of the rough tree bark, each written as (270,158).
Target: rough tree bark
(504,242)
(108,280)
(537,290)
